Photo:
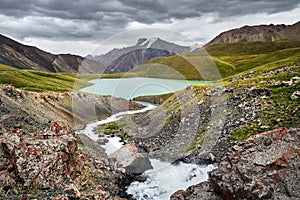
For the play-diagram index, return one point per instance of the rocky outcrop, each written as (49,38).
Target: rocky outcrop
(49,164)
(264,166)
(46,160)
(258,33)
(21,56)
(132,159)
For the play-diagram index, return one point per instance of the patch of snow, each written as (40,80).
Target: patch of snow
(151,41)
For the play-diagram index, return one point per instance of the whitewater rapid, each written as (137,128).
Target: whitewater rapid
(165,179)
(161,181)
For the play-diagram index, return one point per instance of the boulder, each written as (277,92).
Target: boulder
(264,166)
(132,159)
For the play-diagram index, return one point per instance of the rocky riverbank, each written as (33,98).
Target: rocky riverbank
(51,164)
(213,115)
(216,115)
(264,166)
(41,158)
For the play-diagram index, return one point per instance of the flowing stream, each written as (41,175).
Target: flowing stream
(164,179)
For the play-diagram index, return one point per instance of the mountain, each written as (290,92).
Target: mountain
(125,59)
(258,33)
(222,60)
(232,52)
(28,57)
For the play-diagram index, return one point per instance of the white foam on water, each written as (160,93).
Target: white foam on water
(113,144)
(165,179)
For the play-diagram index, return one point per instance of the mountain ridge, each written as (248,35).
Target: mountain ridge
(258,33)
(22,56)
(127,58)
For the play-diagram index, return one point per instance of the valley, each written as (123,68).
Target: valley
(236,127)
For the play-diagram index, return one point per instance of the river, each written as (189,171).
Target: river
(165,178)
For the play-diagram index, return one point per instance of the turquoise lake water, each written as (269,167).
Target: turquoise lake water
(129,88)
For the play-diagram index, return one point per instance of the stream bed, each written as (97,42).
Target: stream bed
(161,181)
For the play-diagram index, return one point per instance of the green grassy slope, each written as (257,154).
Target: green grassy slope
(223,60)
(261,55)
(39,81)
(168,67)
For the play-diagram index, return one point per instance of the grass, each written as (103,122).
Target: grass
(281,111)
(214,63)
(277,110)
(39,81)
(120,128)
(222,61)
(250,48)
(172,67)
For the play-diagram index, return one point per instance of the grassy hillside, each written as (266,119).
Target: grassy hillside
(168,67)
(274,110)
(261,55)
(39,81)
(250,48)
(223,60)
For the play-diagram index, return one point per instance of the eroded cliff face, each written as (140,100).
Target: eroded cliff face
(264,166)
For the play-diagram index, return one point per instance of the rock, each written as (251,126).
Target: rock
(132,159)
(102,141)
(295,79)
(264,127)
(286,83)
(290,82)
(196,192)
(54,167)
(295,95)
(264,166)
(216,91)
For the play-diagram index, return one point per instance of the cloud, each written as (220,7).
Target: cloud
(91,21)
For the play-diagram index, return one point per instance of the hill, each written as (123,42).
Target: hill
(21,56)
(35,80)
(258,33)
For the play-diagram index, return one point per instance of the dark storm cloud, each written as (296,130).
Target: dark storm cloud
(156,10)
(94,19)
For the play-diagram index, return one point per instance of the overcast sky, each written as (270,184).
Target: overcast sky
(81,26)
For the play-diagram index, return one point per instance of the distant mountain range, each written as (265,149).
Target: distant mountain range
(22,56)
(125,59)
(258,33)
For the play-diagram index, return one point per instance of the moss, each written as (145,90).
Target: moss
(120,128)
